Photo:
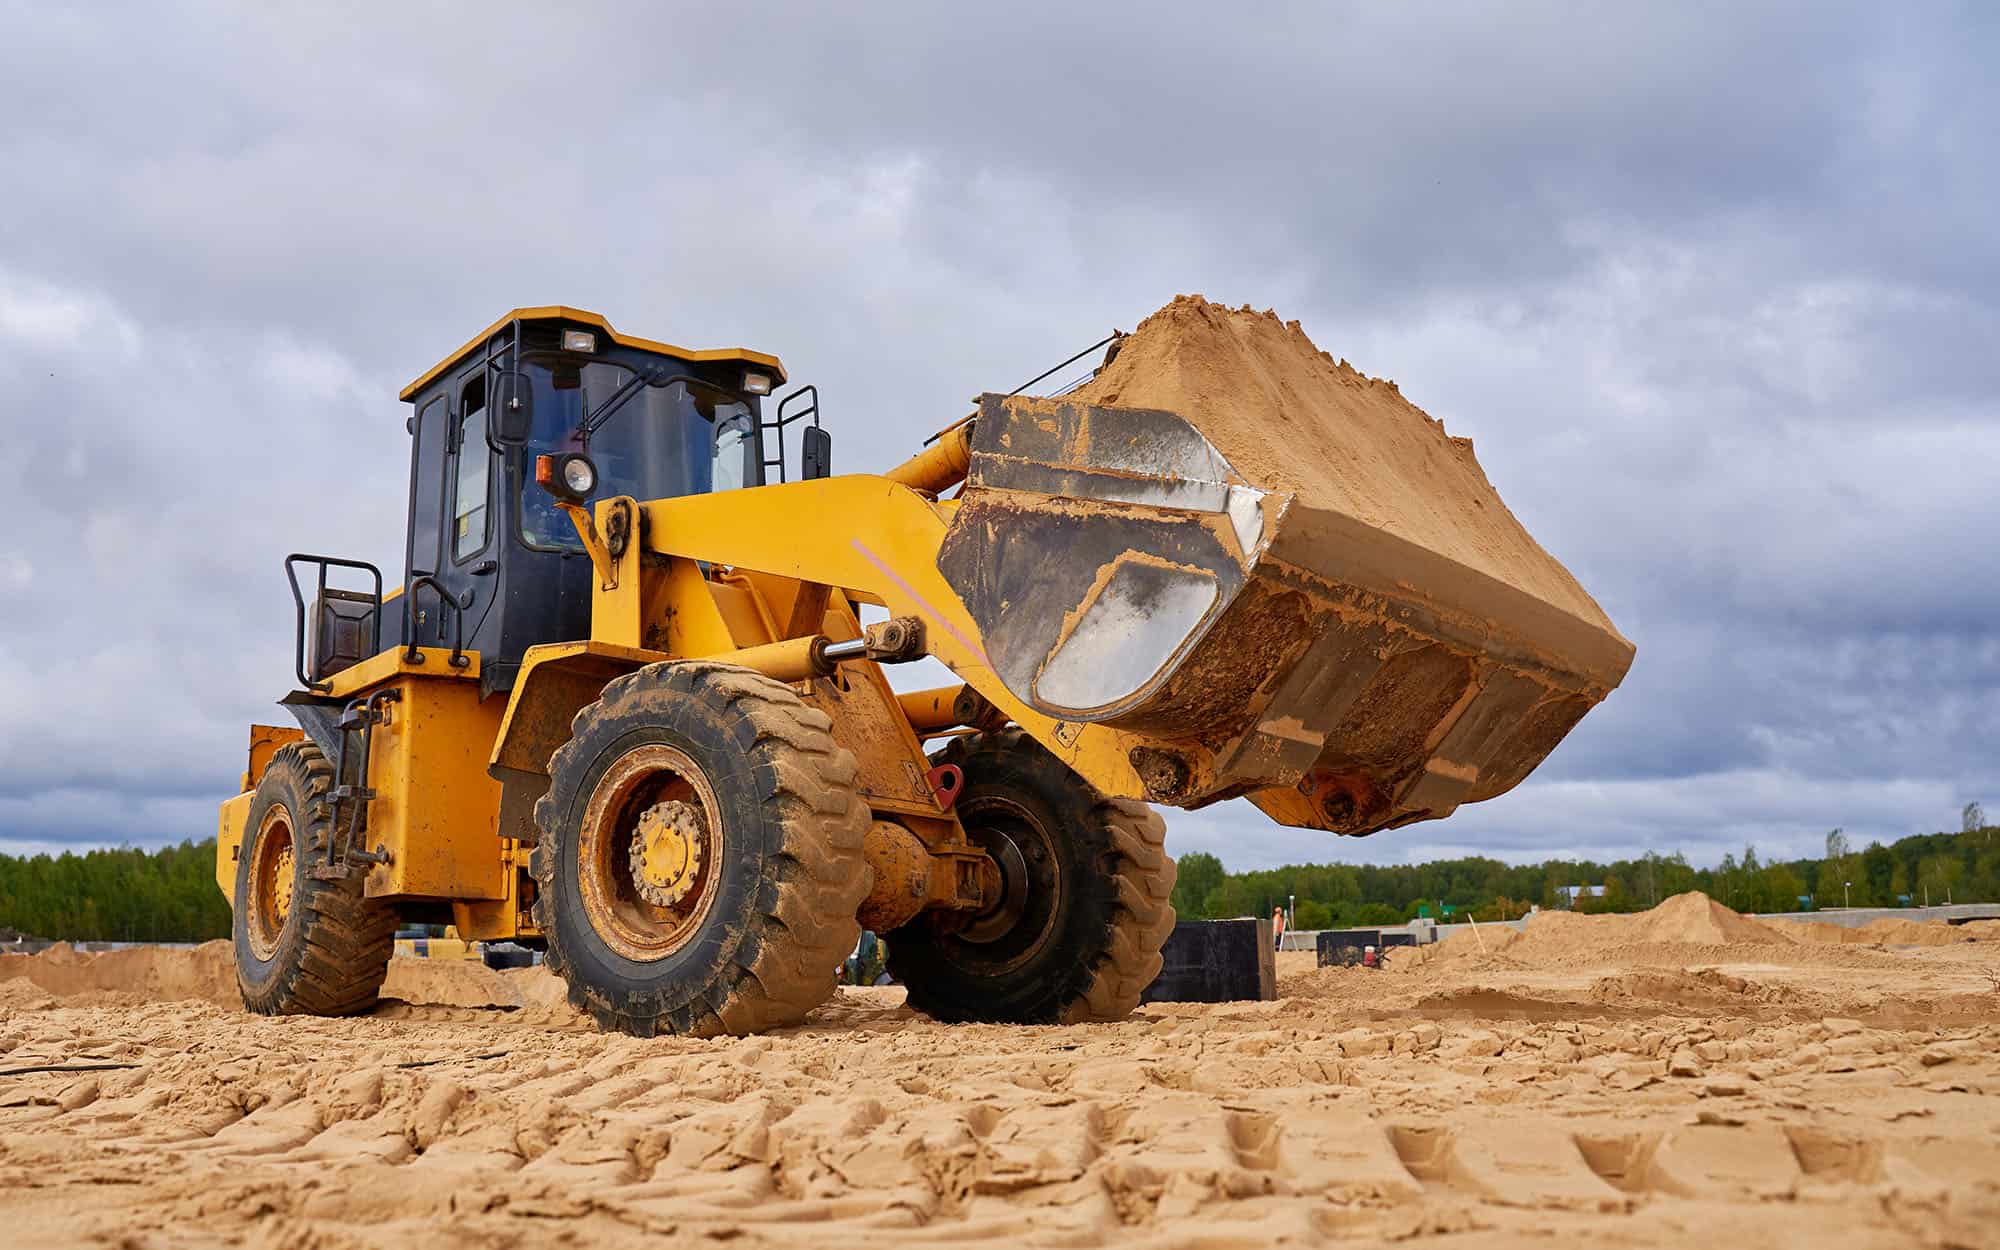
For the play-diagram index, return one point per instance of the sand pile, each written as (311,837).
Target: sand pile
(1888,931)
(1290,417)
(1896,931)
(158,973)
(208,972)
(1696,918)
(451,983)
(1686,927)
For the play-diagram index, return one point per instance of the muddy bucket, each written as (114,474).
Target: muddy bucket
(1261,627)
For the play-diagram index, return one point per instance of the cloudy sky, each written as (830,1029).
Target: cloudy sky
(1714,289)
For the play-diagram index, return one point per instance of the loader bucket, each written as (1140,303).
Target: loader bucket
(1282,578)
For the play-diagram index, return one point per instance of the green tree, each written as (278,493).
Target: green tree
(1234,898)
(121,894)
(1778,889)
(1313,914)
(1676,876)
(1197,875)
(1878,870)
(1728,881)
(1340,895)
(1937,876)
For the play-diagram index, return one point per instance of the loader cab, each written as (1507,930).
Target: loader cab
(488,553)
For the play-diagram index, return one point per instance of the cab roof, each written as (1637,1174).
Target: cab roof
(560,312)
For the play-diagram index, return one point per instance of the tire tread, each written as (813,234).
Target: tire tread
(1124,958)
(342,952)
(805,915)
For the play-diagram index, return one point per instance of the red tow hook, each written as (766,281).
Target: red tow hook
(945,781)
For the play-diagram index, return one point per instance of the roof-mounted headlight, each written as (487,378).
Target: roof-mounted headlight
(579,341)
(756,383)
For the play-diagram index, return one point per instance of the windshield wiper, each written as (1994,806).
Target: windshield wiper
(595,419)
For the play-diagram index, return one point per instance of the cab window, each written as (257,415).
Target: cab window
(735,444)
(470,514)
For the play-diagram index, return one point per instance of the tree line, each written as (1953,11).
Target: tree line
(1959,867)
(169,895)
(120,895)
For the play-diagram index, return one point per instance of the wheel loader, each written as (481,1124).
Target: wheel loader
(629,702)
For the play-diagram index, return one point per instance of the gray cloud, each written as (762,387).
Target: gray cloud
(1712,290)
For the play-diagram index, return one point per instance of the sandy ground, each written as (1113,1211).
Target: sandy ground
(1706,1078)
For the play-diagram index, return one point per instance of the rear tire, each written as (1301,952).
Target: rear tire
(1079,939)
(737,917)
(304,946)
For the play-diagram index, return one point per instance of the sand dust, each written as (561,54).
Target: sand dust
(1634,1080)
(1288,416)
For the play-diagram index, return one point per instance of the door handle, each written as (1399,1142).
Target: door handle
(484,567)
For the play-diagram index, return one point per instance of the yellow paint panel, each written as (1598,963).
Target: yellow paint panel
(741,618)
(229,843)
(542,703)
(436,948)
(435,809)
(877,541)
(495,920)
(378,668)
(559,312)
(264,743)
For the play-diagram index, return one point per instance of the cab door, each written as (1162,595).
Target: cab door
(468,560)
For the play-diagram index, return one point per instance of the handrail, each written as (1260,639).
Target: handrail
(299,600)
(778,423)
(413,655)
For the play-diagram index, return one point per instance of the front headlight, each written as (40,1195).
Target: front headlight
(570,476)
(756,383)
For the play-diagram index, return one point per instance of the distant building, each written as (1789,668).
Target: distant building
(1568,894)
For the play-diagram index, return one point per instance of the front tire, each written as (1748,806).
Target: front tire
(304,945)
(700,861)
(1085,904)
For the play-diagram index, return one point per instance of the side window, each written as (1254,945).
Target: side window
(470,513)
(427,469)
(735,444)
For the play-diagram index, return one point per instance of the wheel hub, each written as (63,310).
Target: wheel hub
(281,884)
(1000,916)
(666,852)
(268,904)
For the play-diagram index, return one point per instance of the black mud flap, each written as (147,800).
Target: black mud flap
(319,717)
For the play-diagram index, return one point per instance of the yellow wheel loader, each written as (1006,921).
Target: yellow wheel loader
(628,703)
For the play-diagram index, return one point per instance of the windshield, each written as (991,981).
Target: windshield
(658,443)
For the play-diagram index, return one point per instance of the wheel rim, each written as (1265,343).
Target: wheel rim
(649,853)
(1011,931)
(273,876)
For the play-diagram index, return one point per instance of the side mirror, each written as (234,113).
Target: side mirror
(815,453)
(512,408)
